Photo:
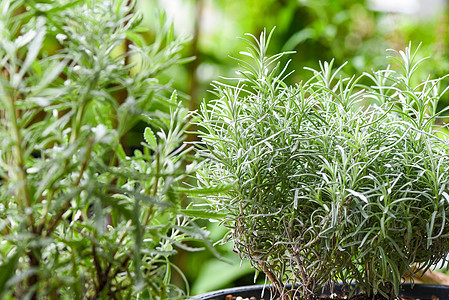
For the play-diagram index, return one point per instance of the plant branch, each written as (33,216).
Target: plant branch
(66,205)
(18,160)
(99,272)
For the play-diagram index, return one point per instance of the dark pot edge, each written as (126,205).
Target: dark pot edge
(417,290)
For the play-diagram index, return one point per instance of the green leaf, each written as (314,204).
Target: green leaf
(174,97)
(202,214)
(121,152)
(136,38)
(206,190)
(7,270)
(229,272)
(138,237)
(358,195)
(150,138)
(50,74)
(119,205)
(33,48)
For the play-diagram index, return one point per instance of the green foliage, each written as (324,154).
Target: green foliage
(83,215)
(332,180)
(347,30)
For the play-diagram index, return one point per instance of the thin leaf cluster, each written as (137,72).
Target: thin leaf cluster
(334,179)
(82,214)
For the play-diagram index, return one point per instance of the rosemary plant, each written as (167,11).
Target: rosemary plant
(332,181)
(83,215)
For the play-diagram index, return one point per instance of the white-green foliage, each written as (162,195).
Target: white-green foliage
(332,180)
(83,216)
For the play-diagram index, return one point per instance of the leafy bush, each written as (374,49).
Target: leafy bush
(332,180)
(83,215)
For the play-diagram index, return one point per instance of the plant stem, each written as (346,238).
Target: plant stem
(194,83)
(148,217)
(155,187)
(77,121)
(102,281)
(66,205)
(18,161)
(33,280)
(23,195)
(156,180)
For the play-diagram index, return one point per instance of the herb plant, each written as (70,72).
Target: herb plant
(332,180)
(82,214)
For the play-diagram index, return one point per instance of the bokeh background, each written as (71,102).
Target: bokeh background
(347,30)
(357,32)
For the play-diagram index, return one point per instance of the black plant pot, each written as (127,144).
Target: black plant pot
(419,291)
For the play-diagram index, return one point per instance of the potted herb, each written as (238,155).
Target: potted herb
(84,213)
(334,179)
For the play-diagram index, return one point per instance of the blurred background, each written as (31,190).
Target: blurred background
(348,30)
(357,32)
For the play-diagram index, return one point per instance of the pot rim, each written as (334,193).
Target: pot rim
(420,291)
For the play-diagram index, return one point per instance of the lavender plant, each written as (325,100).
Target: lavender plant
(83,215)
(332,180)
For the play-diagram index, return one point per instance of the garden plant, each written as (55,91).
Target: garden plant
(336,179)
(83,213)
